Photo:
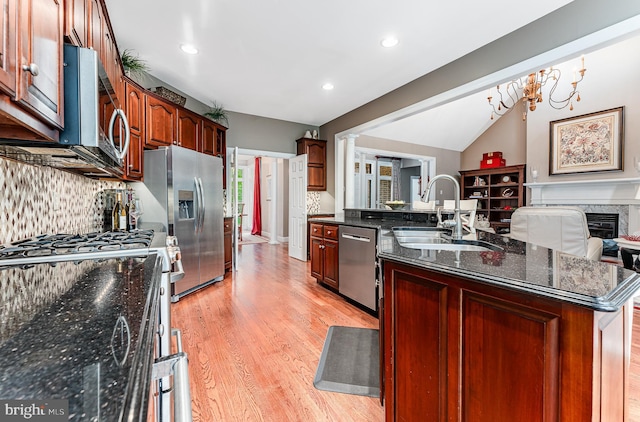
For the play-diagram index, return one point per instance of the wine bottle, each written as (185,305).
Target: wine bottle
(127,203)
(119,216)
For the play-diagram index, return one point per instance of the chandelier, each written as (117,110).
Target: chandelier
(528,91)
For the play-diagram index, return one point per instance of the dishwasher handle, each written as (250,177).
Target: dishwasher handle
(356,237)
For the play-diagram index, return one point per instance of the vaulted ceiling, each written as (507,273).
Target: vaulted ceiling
(271,58)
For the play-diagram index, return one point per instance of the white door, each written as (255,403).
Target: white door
(298,207)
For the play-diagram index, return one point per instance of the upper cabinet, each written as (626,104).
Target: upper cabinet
(160,122)
(76,17)
(40,59)
(189,130)
(134,103)
(316,150)
(8,47)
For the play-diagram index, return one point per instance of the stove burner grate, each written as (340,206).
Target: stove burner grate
(67,244)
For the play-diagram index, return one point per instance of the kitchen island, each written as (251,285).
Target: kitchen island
(516,333)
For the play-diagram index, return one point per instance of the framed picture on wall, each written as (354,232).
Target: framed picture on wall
(587,143)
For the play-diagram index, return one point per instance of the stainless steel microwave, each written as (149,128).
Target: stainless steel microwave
(86,145)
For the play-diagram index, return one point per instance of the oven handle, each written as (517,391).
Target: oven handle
(182,403)
(178,274)
(178,366)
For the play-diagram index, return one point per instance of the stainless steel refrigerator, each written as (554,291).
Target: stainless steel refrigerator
(182,190)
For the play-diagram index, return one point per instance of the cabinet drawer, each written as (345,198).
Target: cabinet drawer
(315,230)
(228,222)
(330,232)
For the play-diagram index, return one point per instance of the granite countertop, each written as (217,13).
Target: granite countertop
(518,266)
(527,268)
(82,332)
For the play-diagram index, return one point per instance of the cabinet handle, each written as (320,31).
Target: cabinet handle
(31,68)
(328,231)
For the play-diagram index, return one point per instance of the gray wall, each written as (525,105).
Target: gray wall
(572,22)
(245,130)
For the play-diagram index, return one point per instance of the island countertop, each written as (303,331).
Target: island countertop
(519,266)
(526,267)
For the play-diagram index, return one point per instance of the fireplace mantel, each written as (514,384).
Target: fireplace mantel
(586,192)
(589,193)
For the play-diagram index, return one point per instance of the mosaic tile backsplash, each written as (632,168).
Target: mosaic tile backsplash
(42,200)
(313,202)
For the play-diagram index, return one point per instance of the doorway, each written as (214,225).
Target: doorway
(273,187)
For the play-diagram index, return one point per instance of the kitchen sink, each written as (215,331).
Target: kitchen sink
(438,238)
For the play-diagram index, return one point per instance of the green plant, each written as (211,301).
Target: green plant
(217,113)
(132,64)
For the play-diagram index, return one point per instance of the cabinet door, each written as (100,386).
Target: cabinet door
(316,152)
(317,257)
(189,130)
(134,108)
(95,27)
(221,150)
(209,137)
(317,178)
(331,263)
(160,122)
(76,15)
(8,44)
(40,59)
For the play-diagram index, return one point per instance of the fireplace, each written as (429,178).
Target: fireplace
(604,226)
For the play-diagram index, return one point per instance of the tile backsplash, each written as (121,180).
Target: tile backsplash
(37,200)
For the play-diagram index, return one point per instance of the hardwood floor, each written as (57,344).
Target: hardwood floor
(254,341)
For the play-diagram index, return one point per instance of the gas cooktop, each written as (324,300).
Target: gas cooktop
(64,247)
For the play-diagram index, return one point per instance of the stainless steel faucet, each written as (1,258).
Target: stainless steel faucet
(456,223)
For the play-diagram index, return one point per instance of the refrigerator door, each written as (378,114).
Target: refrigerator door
(184,214)
(211,235)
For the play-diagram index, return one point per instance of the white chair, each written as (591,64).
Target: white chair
(420,205)
(467,211)
(561,228)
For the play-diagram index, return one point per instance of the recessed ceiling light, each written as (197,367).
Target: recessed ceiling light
(328,86)
(389,42)
(189,49)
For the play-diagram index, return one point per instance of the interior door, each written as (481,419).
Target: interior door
(298,207)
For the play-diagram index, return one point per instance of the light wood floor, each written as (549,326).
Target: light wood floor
(254,341)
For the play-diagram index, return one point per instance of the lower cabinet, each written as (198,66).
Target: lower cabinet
(228,244)
(459,350)
(323,250)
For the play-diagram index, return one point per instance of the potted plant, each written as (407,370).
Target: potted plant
(217,113)
(132,64)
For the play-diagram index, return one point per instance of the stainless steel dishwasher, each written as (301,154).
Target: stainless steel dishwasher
(357,265)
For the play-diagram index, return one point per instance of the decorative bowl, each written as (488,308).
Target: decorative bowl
(395,205)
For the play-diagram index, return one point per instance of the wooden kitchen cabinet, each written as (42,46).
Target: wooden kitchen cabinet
(323,249)
(40,59)
(95,31)
(189,130)
(316,150)
(228,243)
(209,134)
(8,44)
(460,350)
(160,122)
(134,103)
(76,17)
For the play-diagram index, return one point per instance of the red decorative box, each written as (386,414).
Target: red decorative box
(492,162)
(494,154)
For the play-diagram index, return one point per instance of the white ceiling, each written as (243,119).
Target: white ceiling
(270,58)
